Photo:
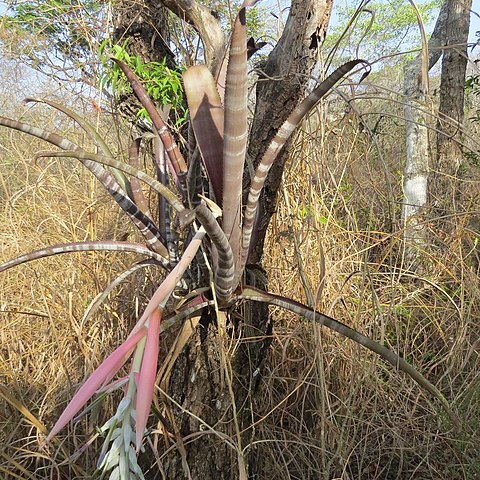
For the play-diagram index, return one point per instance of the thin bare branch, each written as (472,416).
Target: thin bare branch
(205,23)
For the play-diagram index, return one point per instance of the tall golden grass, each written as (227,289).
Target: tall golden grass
(335,411)
(329,409)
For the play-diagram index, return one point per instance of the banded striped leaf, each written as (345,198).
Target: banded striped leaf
(82,155)
(276,146)
(93,134)
(235,132)
(199,303)
(143,223)
(224,267)
(94,246)
(137,192)
(251,293)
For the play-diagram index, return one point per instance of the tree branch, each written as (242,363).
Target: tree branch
(205,23)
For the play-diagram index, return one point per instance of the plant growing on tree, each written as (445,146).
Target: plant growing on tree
(163,84)
(208,187)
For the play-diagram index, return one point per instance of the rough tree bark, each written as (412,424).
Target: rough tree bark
(205,412)
(416,171)
(444,187)
(282,83)
(144,24)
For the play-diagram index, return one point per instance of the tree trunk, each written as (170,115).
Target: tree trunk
(286,76)
(451,110)
(209,400)
(144,24)
(214,420)
(207,410)
(416,169)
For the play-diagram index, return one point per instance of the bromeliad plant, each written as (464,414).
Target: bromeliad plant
(205,214)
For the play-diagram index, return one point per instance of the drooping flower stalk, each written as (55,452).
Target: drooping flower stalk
(101,375)
(221,139)
(172,279)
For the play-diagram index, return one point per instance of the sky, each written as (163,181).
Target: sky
(474,18)
(474,21)
(276,5)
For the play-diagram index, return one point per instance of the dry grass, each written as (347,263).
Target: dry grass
(328,409)
(332,407)
(46,349)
